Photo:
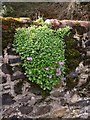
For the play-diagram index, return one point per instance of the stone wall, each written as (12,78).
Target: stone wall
(59,10)
(9,24)
(23,99)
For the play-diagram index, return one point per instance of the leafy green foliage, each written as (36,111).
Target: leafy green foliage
(42,52)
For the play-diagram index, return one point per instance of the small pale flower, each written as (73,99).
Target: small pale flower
(29,58)
(58,74)
(63,79)
(49,76)
(58,70)
(60,63)
(46,68)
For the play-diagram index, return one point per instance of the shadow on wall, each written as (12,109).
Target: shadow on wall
(77,55)
(59,10)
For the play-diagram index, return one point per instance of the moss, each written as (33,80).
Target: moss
(72,53)
(79,28)
(45,93)
(71,82)
(77,24)
(71,65)
(71,43)
(38,22)
(9,24)
(71,49)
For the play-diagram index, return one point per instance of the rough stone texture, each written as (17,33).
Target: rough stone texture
(43,110)
(7,69)
(14,59)
(17,75)
(59,113)
(60,10)
(9,111)
(25,109)
(18,87)
(9,26)
(22,99)
(4,80)
(7,99)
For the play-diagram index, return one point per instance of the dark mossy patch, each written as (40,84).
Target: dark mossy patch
(71,64)
(72,43)
(72,53)
(71,82)
(73,57)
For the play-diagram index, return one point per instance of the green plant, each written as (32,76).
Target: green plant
(42,52)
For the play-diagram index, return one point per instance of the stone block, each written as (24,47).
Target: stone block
(7,99)
(17,75)
(6,68)
(43,110)
(26,109)
(14,59)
